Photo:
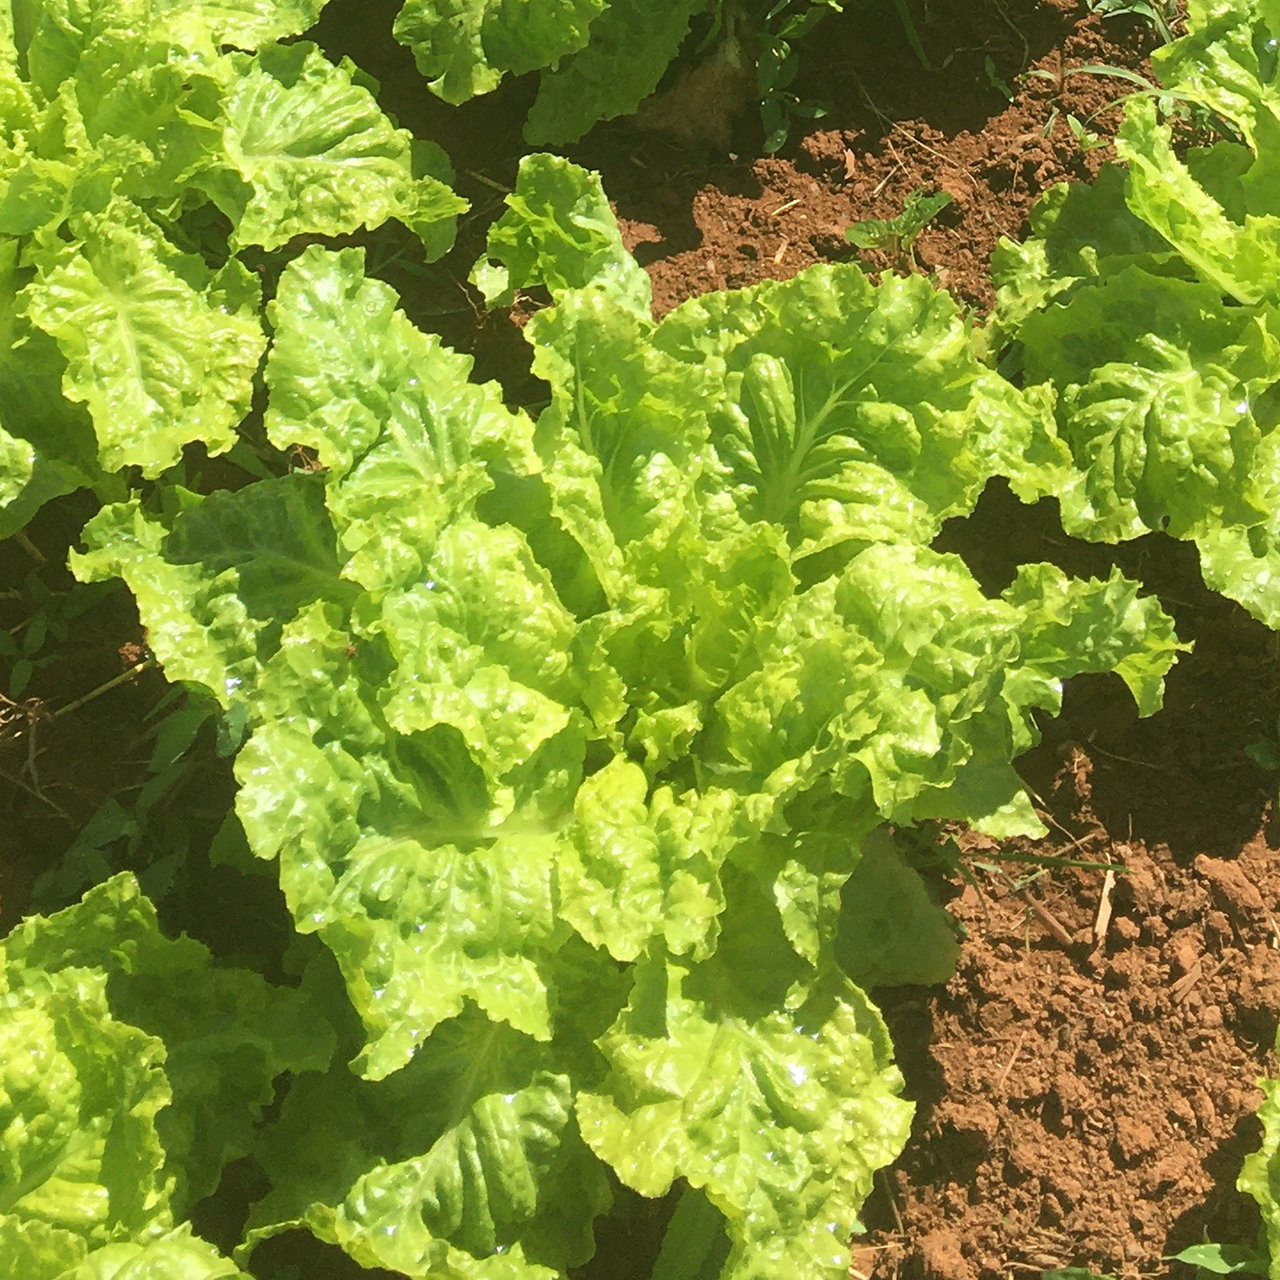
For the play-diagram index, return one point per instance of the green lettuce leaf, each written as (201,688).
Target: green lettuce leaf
(780,1114)
(438,884)
(389,412)
(891,929)
(1235,257)
(227,1034)
(1244,563)
(79,1096)
(128,133)
(161,349)
(845,411)
(307,150)
(567,734)
(465,47)
(559,232)
(151,102)
(31,1253)
(1158,417)
(617,429)
(220,586)
(247,24)
(641,867)
(1260,1175)
(632,43)
(1144,306)
(132,1071)
(899,686)
(1075,626)
(34,1250)
(1079,232)
(468,1163)
(50,39)
(1226,63)
(48,443)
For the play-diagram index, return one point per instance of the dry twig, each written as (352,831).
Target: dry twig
(1013,1058)
(1184,985)
(893,1201)
(1046,917)
(1102,921)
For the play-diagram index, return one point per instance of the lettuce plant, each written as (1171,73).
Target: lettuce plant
(1148,303)
(132,1071)
(138,155)
(568,730)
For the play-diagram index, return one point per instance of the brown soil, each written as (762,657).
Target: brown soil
(1085,1082)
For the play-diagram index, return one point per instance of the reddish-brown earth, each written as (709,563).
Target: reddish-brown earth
(1085,1083)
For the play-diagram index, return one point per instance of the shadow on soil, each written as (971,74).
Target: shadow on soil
(1179,778)
(1234,1215)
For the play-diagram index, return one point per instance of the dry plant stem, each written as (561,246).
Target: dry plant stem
(30,547)
(1013,1058)
(910,137)
(884,182)
(1046,918)
(32,711)
(893,1200)
(36,793)
(1017,31)
(1042,812)
(1103,920)
(1041,913)
(113,683)
(1183,987)
(1111,755)
(488,182)
(1274,942)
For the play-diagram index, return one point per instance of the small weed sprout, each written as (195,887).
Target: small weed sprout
(897,236)
(777,63)
(1161,14)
